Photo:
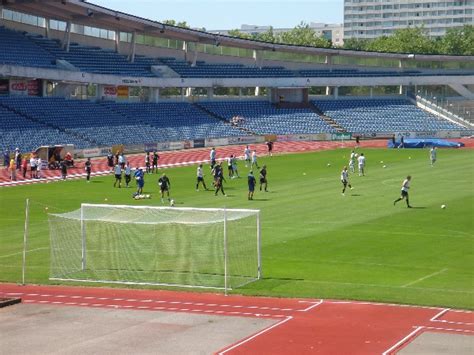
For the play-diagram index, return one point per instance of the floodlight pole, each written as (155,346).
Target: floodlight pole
(25,242)
(225,252)
(83,237)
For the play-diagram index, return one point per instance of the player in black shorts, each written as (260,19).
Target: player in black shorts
(165,185)
(251,182)
(88,167)
(270,148)
(155,162)
(263,178)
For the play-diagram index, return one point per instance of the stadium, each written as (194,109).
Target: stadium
(108,243)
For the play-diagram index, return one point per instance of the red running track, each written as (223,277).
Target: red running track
(301,325)
(184,157)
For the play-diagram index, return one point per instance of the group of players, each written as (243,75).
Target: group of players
(361,169)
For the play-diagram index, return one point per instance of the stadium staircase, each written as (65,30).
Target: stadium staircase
(244,130)
(326,119)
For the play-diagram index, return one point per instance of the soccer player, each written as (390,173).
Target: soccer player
(270,148)
(404,194)
(33,167)
(200,178)
(433,155)
(263,178)
(165,185)
(24,167)
(38,168)
(63,166)
(128,174)
(147,162)
(155,161)
(140,178)
(118,175)
(361,161)
(121,160)
(254,159)
(212,157)
(345,180)
(352,160)
(88,168)
(247,156)
(12,168)
(230,168)
(251,182)
(234,167)
(219,179)
(110,161)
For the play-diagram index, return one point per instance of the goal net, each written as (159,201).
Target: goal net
(145,245)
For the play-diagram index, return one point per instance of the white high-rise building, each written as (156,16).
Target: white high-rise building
(375,18)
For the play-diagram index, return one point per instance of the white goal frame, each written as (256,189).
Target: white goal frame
(226,287)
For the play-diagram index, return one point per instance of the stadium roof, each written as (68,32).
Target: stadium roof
(85,13)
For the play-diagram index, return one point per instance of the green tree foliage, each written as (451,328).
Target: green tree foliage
(182,24)
(457,41)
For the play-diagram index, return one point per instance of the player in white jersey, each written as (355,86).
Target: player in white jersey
(212,157)
(433,153)
(345,180)
(361,165)
(352,160)
(404,194)
(247,153)
(200,178)
(254,159)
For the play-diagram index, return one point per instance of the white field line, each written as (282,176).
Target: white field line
(21,252)
(450,330)
(400,342)
(425,277)
(436,316)
(313,305)
(256,335)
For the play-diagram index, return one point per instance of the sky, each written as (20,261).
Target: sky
(231,14)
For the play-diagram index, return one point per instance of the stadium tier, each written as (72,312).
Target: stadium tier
(19,48)
(382,115)
(261,117)
(19,131)
(97,60)
(176,121)
(16,49)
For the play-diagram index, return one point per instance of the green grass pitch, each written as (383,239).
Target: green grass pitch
(316,243)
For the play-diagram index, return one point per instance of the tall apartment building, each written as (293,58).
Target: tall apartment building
(375,18)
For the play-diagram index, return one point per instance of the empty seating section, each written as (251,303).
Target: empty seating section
(35,50)
(262,117)
(18,131)
(205,70)
(86,119)
(176,121)
(16,49)
(97,60)
(382,115)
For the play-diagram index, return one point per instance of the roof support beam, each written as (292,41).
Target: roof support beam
(133,47)
(67,37)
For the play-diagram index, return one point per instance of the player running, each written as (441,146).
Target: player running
(251,182)
(247,153)
(165,186)
(433,153)
(200,178)
(140,178)
(404,194)
(345,180)
(118,175)
(352,160)
(361,165)
(219,179)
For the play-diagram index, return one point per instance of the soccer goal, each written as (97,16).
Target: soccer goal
(147,245)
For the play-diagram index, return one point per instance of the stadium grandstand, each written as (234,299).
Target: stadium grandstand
(72,72)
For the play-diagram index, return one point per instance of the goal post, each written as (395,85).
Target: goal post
(152,245)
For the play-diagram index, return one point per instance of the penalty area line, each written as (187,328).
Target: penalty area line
(425,277)
(245,340)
